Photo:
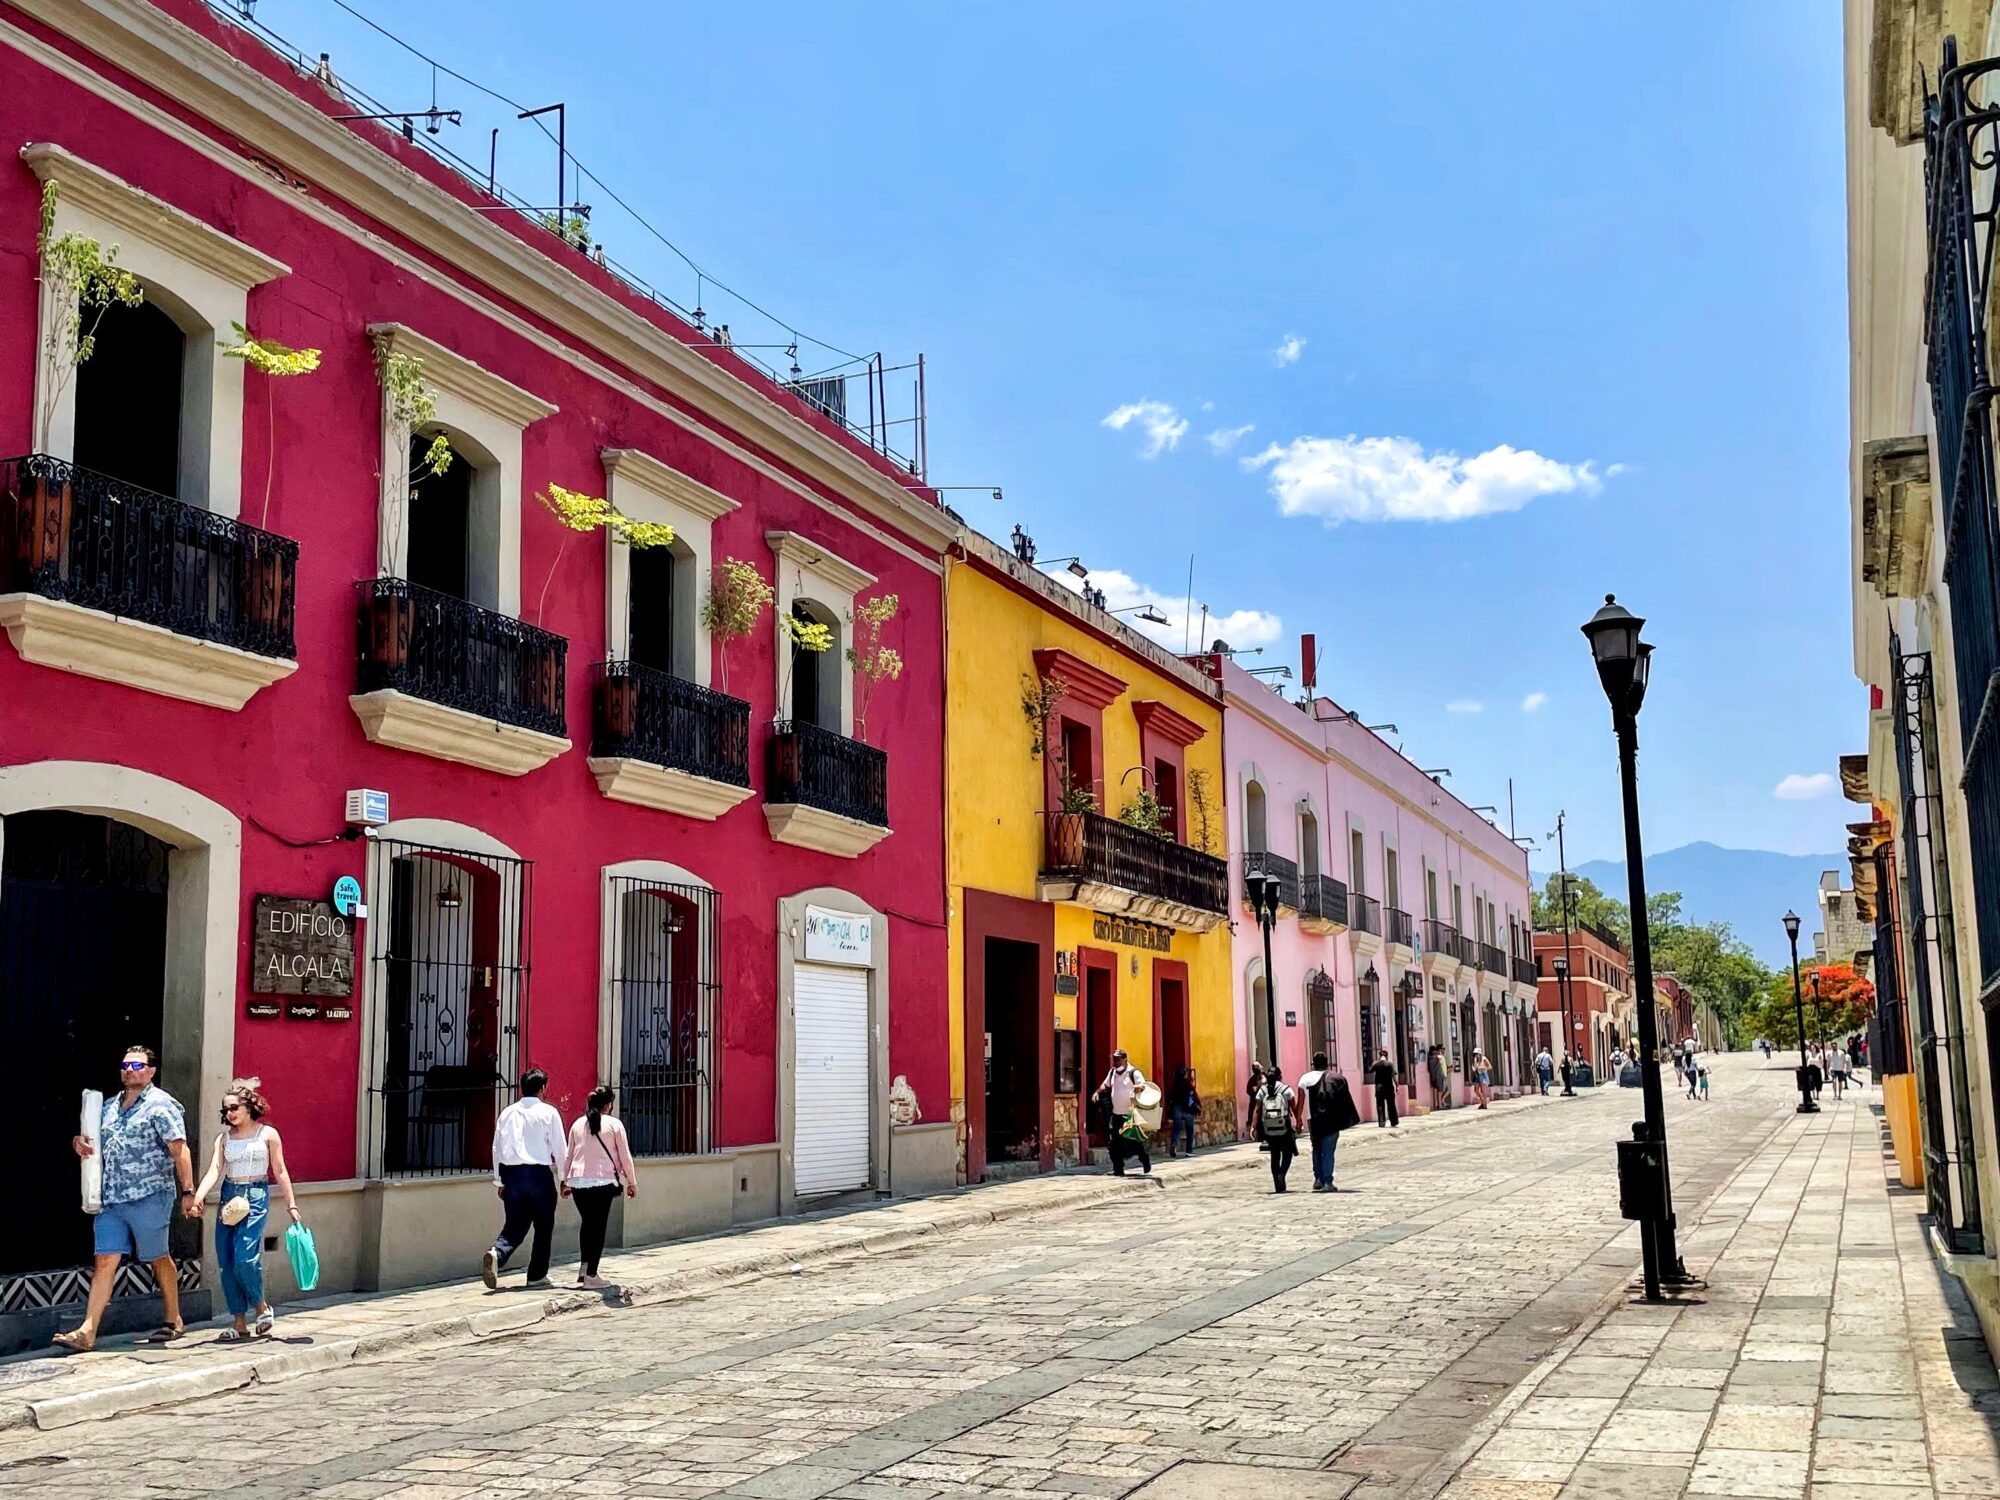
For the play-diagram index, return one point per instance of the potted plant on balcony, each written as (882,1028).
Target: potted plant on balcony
(795,634)
(873,662)
(411,408)
(1143,812)
(579,514)
(80,281)
(1074,799)
(737,595)
(263,569)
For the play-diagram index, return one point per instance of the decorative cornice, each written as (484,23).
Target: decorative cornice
(398,720)
(648,473)
(1156,718)
(804,552)
(96,191)
(662,787)
(270,121)
(451,372)
(73,638)
(1089,685)
(814,828)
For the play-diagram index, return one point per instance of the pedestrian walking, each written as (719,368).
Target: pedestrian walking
(1691,1073)
(1440,1078)
(1545,1070)
(1255,1088)
(1119,1085)
(1183,1109)
(249,1156)
(1842,1068)
(1330,1109)
(1702,1069)
(147,1174)
(1567,1068)
(596,1168)
(1482,1078)
(1384,1075)
(1277,1123)
(529,1149)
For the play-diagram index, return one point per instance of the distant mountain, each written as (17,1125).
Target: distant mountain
(1747,888)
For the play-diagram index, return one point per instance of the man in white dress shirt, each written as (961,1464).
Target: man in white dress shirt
(529,1143)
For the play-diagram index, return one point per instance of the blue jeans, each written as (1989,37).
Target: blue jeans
(239,1249)
(1323,1148)
(1183,1130)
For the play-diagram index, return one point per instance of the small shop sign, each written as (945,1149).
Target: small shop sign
(1133,933)
(301,947)
(839,937)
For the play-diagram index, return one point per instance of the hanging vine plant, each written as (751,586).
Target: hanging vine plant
(280,362)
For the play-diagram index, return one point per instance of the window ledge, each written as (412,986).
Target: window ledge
(92,643)
(624,779)
(1322,926)
(812,828)
(1365,944)
(403,722)
(1117,901)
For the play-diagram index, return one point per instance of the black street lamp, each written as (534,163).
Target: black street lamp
(1262,888)
(1624,663)
(1569,1031)
(1806,1105)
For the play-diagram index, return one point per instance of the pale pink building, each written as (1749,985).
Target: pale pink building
(1404,921)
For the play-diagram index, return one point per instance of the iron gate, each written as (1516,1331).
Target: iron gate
(1321,997)
(664,996)
(448,962)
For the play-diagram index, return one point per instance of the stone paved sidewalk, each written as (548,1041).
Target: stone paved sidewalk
(50,1390)
(1832,1358)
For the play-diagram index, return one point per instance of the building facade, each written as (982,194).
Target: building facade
(1600,1017)
(1923,524)
(1087,888)
(609,844)
(1403,916)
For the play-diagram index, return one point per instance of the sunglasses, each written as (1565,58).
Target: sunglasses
(231,1109)
(133,1067)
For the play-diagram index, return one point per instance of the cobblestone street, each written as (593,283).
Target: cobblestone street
(1162,1340)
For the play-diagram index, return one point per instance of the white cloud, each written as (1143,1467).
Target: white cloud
(1225,438)
(1290,347)
(1164,427)
(1797,788)
(1395,479)
(1239,627)
(1465,706)
(1533,703)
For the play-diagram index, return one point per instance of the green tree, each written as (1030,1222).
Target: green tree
(1587,904)
(1710,960)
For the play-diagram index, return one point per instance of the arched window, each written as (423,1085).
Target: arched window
(816,675)
(1255,827)
(129,397)
(661,598)
(1308,845)
(441,520)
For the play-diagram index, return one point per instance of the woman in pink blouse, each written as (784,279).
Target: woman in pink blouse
(600,1163)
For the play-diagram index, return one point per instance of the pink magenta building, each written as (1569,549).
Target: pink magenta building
(604,845)
(1404,919)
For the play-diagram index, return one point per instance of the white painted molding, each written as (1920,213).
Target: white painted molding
(111,648)
(632,466)
(811,557)
(625,779)
(404,722)
(446,371)
(813,828)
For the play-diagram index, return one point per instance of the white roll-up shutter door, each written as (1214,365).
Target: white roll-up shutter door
(830,1079)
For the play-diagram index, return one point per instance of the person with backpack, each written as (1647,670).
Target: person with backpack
(1384,1075)
(1277,1124)
(1119,1085)
(1545,1070)
(1329,1110)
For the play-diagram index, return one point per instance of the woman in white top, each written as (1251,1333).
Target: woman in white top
(247,1159)
(599,1165)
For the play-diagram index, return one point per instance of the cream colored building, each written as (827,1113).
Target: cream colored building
(1925,638)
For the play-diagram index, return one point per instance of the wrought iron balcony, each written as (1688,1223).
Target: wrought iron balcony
(450,652)
(1492,958)
(1525,971)
(1440,937)
(1468,951)
(84,538)
(1364,913)
(1100,860)
(646,714)
(1322,904)
(814,767)
(1402,927)
(1287,872)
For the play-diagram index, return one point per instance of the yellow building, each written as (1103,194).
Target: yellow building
(1073,931)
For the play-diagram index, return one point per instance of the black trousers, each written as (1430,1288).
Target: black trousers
(528,1194)
(1122,1148)
(1283,1149)
(593,1206)
(1385,1108)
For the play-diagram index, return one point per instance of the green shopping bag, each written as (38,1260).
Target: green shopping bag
(299,1249)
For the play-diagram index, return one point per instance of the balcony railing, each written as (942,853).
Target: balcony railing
(445,650)
(1091,847)
(1402,927)
(1525,971)
(1468,951)
(1364,913)
(84,538)
(1492,958)
(656,717)
(1440,937)
(816,767)
(1287,871)
(1323,899)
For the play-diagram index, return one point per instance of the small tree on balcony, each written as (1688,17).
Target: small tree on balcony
(1039,697)
(1143,812)
(412,408)
(872,661)
(80,282)
(578,513)
(796,634)
(1198,799)
(279,361)
(737,595)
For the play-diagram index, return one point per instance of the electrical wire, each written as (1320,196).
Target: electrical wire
(345,836)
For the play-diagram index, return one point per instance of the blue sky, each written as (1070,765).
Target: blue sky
(1571,273)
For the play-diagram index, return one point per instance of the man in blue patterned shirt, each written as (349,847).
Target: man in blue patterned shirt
(148,1175)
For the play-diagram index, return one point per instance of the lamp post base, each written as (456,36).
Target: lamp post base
(1806,1104)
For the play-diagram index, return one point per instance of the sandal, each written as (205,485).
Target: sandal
(234,1336)
(266,1321)
(76,1341)
(166,1333)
